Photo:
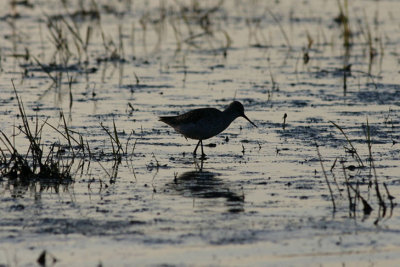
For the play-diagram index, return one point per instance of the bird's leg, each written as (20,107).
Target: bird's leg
(194,152)
(203,156)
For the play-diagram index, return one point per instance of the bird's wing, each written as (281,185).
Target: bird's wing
(190,117)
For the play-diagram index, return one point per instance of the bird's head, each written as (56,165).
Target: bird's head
(237,108)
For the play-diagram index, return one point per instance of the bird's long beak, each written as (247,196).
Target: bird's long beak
(244,116)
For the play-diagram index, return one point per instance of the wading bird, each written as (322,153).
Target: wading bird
(203,123)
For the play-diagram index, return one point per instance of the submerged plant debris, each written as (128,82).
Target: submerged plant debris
(89,176)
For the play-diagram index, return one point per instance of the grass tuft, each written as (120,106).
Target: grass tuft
(40,163)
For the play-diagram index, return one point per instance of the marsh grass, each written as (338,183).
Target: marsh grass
(352,150)
(117,147)
(42,162)
(344,20)
(283,32)
(382,205)
(367,209)
(326,179)
(119,152)
(355,189)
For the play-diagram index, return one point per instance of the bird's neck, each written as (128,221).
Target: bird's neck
(229,115)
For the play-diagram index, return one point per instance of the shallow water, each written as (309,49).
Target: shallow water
(260,196)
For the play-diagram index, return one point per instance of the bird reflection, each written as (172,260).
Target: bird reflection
(206,185)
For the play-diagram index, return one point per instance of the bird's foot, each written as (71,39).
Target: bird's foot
(202,157)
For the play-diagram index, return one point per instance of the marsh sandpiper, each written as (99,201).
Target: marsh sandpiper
(203,123)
